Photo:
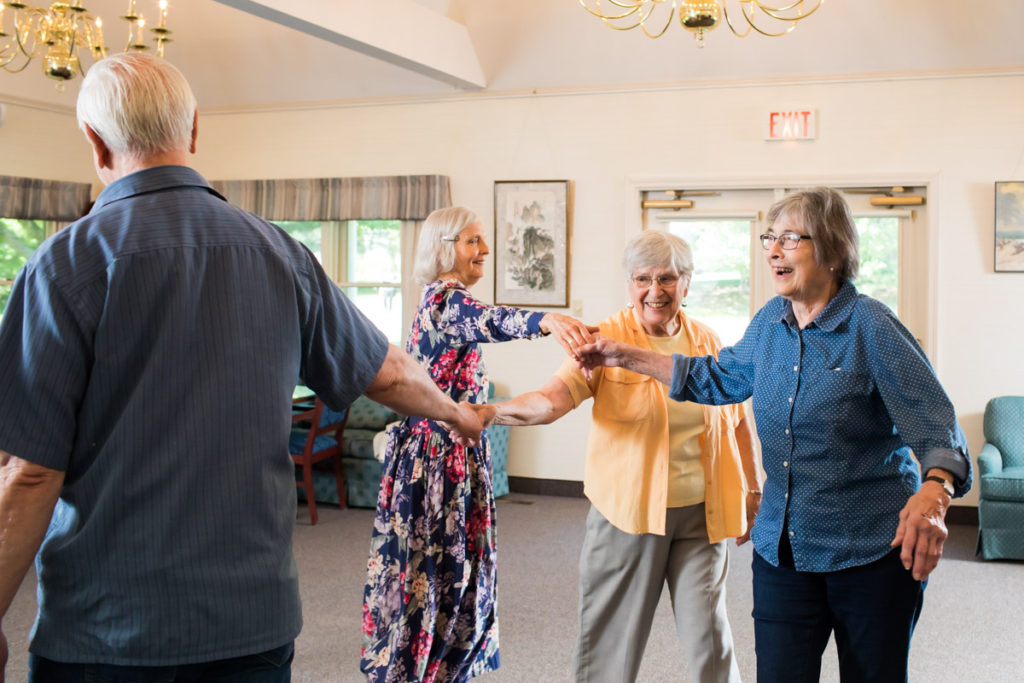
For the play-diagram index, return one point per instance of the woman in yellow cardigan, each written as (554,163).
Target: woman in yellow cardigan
(668,482)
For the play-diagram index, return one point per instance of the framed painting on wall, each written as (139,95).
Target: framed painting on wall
(1009,247)
(531,242)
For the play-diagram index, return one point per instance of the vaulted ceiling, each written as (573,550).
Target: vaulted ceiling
(253,54)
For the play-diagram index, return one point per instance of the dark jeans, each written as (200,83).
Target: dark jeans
(872,609)
(272,666)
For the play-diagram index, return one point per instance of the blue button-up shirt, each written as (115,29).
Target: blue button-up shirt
(150,351)
(842,406)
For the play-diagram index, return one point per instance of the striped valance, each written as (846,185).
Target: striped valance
(404,197)
(46,200)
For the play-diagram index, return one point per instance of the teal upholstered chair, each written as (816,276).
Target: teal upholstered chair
(1001,473)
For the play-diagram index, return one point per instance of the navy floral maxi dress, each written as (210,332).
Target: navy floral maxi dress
(429,607)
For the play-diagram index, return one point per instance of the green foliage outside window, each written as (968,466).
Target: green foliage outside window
(879,259)
(18,240)
(721,265)
(375,251)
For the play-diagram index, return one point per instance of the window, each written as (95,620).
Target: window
(364,258)
(719,293)
(731,281)
(879,259)
(18,240)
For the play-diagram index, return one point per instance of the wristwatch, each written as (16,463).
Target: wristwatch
(947,487)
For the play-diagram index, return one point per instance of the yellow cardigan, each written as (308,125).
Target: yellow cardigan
(626,476)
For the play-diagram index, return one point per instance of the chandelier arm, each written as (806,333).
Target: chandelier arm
(14,55)
(635,7)
(23,31)
(668,22)
(728,21)
(778,12)
(748,14)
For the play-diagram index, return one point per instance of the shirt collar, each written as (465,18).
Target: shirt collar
(837,311)
(152,179)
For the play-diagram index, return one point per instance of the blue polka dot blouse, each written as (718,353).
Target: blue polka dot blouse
(842,407)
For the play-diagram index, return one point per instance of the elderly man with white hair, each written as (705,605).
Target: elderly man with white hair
(147,361)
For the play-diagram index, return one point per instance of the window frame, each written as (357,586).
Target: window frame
(334,239)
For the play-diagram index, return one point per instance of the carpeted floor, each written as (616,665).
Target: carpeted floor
(971,628)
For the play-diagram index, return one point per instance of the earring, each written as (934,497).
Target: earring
(683,305)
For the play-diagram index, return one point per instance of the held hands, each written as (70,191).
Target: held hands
(466,428)
(922,530)
(568,331)
(483,414)
(602,352)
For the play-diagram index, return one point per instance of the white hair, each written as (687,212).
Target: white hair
(657,249)
(435,255)
(139,105)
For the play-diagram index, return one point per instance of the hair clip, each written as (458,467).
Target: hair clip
(449,238)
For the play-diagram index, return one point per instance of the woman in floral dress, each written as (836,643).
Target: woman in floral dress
(429,608)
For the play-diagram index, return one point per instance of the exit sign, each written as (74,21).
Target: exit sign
(794,124)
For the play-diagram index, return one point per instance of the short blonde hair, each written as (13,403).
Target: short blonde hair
(435,255)
(826,217)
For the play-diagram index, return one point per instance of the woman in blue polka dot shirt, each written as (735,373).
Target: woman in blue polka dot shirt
(850,414)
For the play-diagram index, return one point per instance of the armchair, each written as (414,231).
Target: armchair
(1001,473)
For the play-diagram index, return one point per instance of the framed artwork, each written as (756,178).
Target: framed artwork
(531,242)
(1009,251)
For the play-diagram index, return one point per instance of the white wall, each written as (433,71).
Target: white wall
(964,133)
(43,143)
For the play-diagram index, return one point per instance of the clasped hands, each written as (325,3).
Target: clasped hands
(569,332)
(479,417)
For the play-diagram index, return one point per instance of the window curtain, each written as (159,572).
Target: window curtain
(47,200)
(409,197)
(410,288)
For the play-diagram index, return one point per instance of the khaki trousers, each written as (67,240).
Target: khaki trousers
(621,579)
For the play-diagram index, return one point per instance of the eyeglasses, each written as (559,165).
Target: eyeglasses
(664,281)
(788,240)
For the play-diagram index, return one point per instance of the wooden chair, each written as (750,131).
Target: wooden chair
(316,436)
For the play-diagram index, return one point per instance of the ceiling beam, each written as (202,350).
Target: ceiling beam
(400,32)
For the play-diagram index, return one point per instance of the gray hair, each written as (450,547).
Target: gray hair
(826,217)
(435,255)
(139,105)
(658,249)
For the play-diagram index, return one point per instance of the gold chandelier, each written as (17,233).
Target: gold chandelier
(700,16)
(57,34)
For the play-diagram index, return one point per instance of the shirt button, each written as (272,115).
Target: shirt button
(787,431)
(792,533)
(796,368)
(787,496)
(785,463)
(790,399)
